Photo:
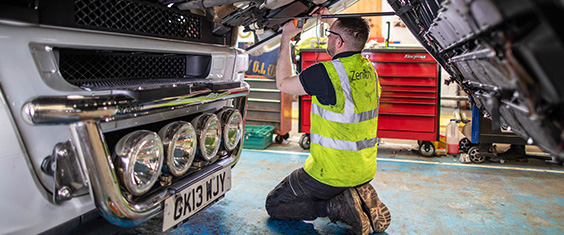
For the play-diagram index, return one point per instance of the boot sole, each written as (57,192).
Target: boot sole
(355,202)
(378,213)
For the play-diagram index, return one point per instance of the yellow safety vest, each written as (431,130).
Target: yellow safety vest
(343,136)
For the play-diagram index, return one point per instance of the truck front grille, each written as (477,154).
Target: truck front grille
(138,17)
(101,68)
(81,66)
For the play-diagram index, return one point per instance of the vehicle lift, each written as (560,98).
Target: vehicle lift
(299,21)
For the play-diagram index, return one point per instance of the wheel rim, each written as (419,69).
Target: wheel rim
(426,149)
(474,155)
(279,139)
(304,142)
(465,145)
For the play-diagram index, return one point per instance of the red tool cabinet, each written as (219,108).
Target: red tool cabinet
(410,99)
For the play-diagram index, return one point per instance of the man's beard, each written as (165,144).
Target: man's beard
(330,50)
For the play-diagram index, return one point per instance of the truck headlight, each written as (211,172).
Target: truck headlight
(139,157)
(179,140)
(232,126)
(209,135)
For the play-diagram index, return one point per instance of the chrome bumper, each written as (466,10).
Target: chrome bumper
(74,108)
(85,114)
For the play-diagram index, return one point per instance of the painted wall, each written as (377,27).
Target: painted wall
(398,31)
(363,6)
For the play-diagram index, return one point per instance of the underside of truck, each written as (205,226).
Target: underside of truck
(506,55)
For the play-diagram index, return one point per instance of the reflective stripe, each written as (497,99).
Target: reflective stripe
(345,85)
(344,117)
(342,144)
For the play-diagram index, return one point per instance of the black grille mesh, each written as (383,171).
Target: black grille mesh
(82,66)
(137,17)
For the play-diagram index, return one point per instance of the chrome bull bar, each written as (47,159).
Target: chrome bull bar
(75,108)
(84,114)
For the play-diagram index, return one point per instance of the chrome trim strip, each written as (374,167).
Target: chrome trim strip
(103,182)
(259,79)
(265,90)
(264,100)
(68,109)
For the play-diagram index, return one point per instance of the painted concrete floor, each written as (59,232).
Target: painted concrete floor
(425,196)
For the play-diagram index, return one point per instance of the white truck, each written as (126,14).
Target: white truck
(115,108)
(124,109)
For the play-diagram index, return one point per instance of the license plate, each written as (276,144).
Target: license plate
(196,197)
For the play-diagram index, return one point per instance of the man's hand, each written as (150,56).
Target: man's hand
(285,80)
(290,30)
(323,11)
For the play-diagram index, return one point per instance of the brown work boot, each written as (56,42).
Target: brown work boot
(346,207)
(378,213)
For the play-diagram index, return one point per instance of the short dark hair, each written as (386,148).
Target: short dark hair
(355,28)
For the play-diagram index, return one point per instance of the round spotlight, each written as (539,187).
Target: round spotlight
(232,126)
(139,159)
(208,130)
(179,140)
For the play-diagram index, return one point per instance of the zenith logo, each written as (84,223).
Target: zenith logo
(408,56)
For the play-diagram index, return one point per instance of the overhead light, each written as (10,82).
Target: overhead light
(179,140)
(139,159)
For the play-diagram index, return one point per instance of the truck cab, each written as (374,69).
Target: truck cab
(124,110)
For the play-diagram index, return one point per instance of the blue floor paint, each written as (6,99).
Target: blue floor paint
(423,197)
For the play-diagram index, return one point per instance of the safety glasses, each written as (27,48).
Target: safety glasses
(328,32)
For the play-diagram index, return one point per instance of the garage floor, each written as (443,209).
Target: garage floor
(425,196)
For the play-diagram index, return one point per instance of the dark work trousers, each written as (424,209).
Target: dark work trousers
(300,197)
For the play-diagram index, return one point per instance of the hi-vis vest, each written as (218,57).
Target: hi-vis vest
(343,136)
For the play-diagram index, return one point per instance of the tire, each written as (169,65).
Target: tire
(286,136)
(475,155)
(279,139)
(427,149)
(304,142)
